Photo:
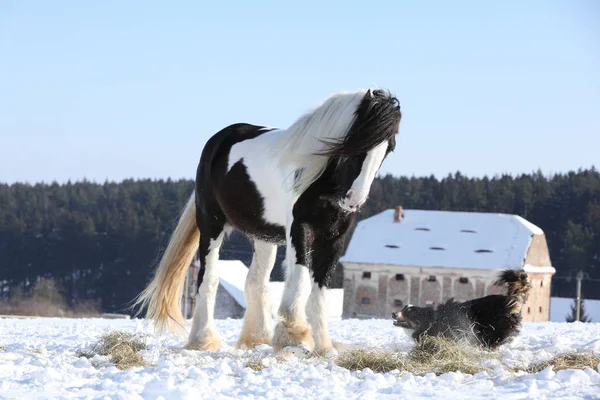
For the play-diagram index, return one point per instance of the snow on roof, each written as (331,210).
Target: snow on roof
(442,239)
(232,276)
(560,308)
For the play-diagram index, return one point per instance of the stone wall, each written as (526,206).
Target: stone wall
(375,291)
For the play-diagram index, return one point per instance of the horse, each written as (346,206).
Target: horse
(300,187)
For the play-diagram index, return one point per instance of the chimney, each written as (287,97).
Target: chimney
(398,214)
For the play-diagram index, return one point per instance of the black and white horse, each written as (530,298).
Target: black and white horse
(299,186)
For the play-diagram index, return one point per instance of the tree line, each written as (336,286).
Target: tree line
(100,241)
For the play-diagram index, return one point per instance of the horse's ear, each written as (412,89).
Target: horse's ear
(368,95)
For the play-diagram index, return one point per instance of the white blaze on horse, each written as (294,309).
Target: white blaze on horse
(299,187)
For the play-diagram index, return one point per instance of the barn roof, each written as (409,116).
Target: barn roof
(442,239)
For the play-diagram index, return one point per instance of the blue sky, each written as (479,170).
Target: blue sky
(114,89)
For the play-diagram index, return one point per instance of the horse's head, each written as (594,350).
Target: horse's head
(358,157)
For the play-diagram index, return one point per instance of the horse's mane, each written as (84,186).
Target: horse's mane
(325,131)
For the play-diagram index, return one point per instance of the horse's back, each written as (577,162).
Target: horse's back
(237,175)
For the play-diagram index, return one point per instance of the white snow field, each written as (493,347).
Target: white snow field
(39,360)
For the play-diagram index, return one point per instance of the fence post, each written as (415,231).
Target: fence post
(578,309)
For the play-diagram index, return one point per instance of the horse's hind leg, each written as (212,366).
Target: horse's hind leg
(257,319)
(203,335)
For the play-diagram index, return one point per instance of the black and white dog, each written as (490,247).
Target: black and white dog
(489,321)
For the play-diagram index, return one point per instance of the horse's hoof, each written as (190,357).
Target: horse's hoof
(210,343)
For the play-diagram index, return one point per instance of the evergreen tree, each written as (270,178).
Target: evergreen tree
(582,316)
(102,241)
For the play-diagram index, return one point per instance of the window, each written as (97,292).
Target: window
(528,310)
(392,246)
(398,303)
(399,277)
(366,300)
(463,280)
(541,283)
(540,309)
(366,275)
(432,278)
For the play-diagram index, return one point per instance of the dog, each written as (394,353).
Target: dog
(489,321)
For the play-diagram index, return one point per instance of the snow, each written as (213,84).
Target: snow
(232,276)
(539,270)
(560,308)
(505,239)
(39,361)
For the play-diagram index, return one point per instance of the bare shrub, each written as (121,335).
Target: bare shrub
(46,300)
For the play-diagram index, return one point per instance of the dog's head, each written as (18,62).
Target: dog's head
(413,318)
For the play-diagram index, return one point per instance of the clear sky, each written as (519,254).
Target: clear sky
(119,89)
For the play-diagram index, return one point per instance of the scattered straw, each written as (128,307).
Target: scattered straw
(255,364)
(378,360)
(123,349)
(446,355)
(568,361)
(432,355)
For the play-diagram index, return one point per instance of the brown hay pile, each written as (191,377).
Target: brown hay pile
(432,355)
(377,360)
(568,361)
(122,348)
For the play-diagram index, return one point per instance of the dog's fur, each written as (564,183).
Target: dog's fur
(489,321)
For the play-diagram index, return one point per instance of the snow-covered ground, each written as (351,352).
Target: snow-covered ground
(38,360)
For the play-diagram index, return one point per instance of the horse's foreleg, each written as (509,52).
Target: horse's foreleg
(257,319)
(324,260)
(317,316)
(203,335)
(292,330)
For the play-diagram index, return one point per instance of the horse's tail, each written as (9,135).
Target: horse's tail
(163,294)
(518,287)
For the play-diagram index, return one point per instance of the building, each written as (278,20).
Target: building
(230,301)
(423,257)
